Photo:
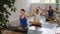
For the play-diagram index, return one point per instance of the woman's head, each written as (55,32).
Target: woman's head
(37,11)
(22,11)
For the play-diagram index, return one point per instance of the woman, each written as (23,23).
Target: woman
(23,18)
(36,21)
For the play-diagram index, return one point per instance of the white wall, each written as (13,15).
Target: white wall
(19,4)
(34,5)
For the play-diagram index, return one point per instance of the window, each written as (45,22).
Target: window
(34,1)
(49,1)
(42,1)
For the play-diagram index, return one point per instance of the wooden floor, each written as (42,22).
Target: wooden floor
(10,32)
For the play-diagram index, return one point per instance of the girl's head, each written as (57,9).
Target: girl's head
(22,11)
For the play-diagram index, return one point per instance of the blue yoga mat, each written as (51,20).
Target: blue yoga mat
(34,32)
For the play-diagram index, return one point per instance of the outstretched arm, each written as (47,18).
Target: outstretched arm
(29,15)
(57,12)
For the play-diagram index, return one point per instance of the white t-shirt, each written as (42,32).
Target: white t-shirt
(37,16)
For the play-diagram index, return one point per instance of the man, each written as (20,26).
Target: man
(49,13)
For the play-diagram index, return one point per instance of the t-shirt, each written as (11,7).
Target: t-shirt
(50,13)
(36,18)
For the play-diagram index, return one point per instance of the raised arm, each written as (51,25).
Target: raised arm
(41,9)
(45,9)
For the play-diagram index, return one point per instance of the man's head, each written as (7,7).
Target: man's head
(50,7)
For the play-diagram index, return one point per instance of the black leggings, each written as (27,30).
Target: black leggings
(36,25)
(48,19)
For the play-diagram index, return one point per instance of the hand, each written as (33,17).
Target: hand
(39,7)
(59,12)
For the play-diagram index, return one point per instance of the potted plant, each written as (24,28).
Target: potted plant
(58,21)
(4,13)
